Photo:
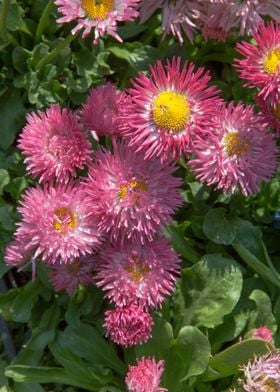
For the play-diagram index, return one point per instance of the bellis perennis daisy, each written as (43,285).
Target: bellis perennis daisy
(169,109)
(131,198)
(100,15)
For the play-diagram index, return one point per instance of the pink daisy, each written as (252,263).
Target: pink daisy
(100,112)
(68,276)
(241,152)
(177,16)
(133,273)
(131,198)
(261,63)
(129,325)
(57,223)
(262,374)
(263,333)
(100,15)
(169,109)
(19,252)
(54,144)
(270,112)
(145,376)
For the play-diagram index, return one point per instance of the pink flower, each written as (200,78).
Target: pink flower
(57,223)
(262,374)
(177,16)
(19,252)
(169,109)
(131,198)
(271,113)
(129,325)
(263,333)
(241,152)
(100,15)
(145,376)
(139,274)
(68,276)
(261,63)
(54,144)
(100,112)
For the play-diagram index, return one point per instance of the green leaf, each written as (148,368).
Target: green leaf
(27,387)
(218,228)
(208,291)
(25,301)
(7,217)
(262,315)
(228,362)
(4,179)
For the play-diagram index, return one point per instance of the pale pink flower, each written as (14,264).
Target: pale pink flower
(100,112)
(145,376)
(102,16)
(262,374)
(169,109)
(263,333)
(241,152)
(261,63)
(129,325)
(131,198)
(68,276)
(19,252)
(54,144)
(57,223)
(133,273)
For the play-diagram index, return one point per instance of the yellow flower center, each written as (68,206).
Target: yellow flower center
(137,269)
(271,63)
(137,185)
(171,111)
(276,111)
(97,9)
(66,220)
(270,386)
(235,144)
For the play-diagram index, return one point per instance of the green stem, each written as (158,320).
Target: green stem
(43,21)
(256,264)
(3,19)
(52,55)
(269,262)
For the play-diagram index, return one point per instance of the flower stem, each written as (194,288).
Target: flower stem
(44,20)
(3,19)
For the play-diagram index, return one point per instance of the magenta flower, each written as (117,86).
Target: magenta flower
(271,113)
(263,333)
(133,273)
(262,374)
(100,15)
(54,144)
(145,376)
(261,63)
(169,110)
(68,276)
(240,153)
(100,112)
(129,325)
(57,223)
(131,198)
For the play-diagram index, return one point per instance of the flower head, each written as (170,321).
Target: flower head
(19,252)
(128,325)
(262,374)
(57,223)
(139,274)
(169,109)
(270,112)
(261,63)
(100,15)
(68,276)
(241,152)
(54,144)
(263,333)
(145,376)
(131,198)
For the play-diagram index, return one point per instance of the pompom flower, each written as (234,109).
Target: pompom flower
(129,325)
(262,374)
(241,152)
(131,198)
(263,333)
(57,223)
(145,376)
(100,112)
(139,274)
(169,109)
(68,276)
(100,15)
(54,144)
(261,63)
